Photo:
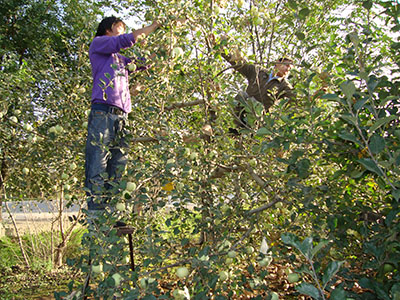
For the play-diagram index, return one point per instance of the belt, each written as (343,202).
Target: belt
(108,108)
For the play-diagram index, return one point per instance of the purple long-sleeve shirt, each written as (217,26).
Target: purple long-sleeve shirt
(108,65)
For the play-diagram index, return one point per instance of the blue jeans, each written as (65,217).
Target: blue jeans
(105,155)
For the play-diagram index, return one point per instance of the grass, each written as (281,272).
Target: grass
(18,282)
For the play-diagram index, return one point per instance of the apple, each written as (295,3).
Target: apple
(252,284)
(25,171)
(126,259)
(64,176)
(171,40)
(182,272)
(32,138)
(249,249)
(59,129)
(254,11)
(130,186)
(97,269)
(177,52)
(120,206)
(85,124)
(225,245)
(28,127)
(170,161)
(387,268)
(81,90)
(229,261)
(288,271)
(180,185)
(17,112)
(179,294)
(52,129)
(193,155)
(223,275)
(213,153)
(67,197)
(126,194)
(117,279)
(72,166)
(204,258)
(225,208)
(257,21)
(253,162)
(293,277)
(232,254)
(143,283)
(274,296)
(67,187)
(132,67)
(187,151)
(265,261)
(14,119)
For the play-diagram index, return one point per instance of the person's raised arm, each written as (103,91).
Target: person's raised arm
(145,31)
(237,61)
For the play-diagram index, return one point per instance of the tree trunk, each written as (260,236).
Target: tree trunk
(21,246)
(3,176)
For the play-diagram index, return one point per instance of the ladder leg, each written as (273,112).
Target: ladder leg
(131,252)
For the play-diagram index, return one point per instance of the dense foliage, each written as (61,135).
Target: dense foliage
(317,178)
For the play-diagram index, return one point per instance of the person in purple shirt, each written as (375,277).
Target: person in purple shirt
(106,145)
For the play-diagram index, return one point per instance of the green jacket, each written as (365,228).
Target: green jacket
(260,87)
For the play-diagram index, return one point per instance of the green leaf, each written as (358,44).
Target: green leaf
(348,88)
(377,144)
(303,13)
(370,165)
(263,131)
(317,248)
(149,297)
(292,4)
(331,271)
(367,4)
(338,294)
(330,97)
(349,119)
(349,137)
(396,194)
(381,122)
(302,168)
(356,174)
(309,290)
(290,239)
(372,285)
(395,46)
(306,247)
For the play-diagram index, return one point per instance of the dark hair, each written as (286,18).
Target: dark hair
(284,59)
(107,24)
